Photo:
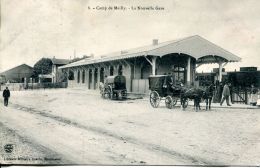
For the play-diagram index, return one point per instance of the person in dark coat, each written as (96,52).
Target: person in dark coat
(6,95)
(225,94)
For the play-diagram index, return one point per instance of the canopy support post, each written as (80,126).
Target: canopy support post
(153,65)
(188,71)
(93,79)
(224,64)
(149,61)
(220,71)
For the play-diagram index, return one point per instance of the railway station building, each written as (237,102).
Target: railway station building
(180,57)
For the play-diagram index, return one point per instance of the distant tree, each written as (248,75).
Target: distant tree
(43,66)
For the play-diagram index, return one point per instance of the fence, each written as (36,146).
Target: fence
(241,95)
(31,86)
(140,85)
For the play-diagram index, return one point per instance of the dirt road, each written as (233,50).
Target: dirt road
(78,127)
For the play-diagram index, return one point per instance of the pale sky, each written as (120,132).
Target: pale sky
(32,29)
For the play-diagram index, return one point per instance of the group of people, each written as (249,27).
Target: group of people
(227,95)
(170,82)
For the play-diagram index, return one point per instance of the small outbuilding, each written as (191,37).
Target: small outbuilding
(18,74)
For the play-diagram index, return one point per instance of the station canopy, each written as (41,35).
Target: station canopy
(197,47)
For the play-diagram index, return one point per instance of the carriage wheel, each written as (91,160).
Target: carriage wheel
(154,99)
(174,101)
(103,94)
(124,94)
(106,93)
(169,102)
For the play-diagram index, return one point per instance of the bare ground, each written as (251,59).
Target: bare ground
(78,127)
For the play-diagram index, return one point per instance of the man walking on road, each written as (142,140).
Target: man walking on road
(6,95)
(225,94)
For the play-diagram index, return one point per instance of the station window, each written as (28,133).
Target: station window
(179,73)
(83,76)
(78,76)
(71,75)
(89,78)
(111,71)
(120,70)
(102,75)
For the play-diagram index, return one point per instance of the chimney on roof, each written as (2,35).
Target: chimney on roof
(91,55)
(155,41)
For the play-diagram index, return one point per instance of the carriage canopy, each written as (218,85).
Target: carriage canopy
(119,81)
(156,81)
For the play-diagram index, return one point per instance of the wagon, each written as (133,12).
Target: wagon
(162,91)
(115,87)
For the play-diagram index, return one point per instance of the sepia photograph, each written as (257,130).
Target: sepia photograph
(130,82)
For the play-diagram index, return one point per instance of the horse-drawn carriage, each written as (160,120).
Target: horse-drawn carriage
(114,87)
(173,92)
(161,89)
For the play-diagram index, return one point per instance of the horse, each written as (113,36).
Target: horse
(197,94)
(208,95)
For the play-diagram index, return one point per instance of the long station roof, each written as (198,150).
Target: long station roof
(194,46)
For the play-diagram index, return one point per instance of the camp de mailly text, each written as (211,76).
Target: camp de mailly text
(128,8)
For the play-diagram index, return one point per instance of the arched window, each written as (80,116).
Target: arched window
(90,78)
(83,76)
(95,78)
(71,75)
(120,70)
(102,75)
(111,71)
(179,73)
(78,76)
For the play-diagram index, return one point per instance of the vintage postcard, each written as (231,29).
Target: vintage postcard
(130,82)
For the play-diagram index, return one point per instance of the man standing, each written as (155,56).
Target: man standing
(6,95)
(169,82)
(225,94)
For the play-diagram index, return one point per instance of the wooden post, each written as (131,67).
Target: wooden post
(86,77)
(220,71)
(154,65)
(246,96)
(93,79)
(188,71)
(98,77)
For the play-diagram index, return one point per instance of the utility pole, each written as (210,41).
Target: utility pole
(74,53)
